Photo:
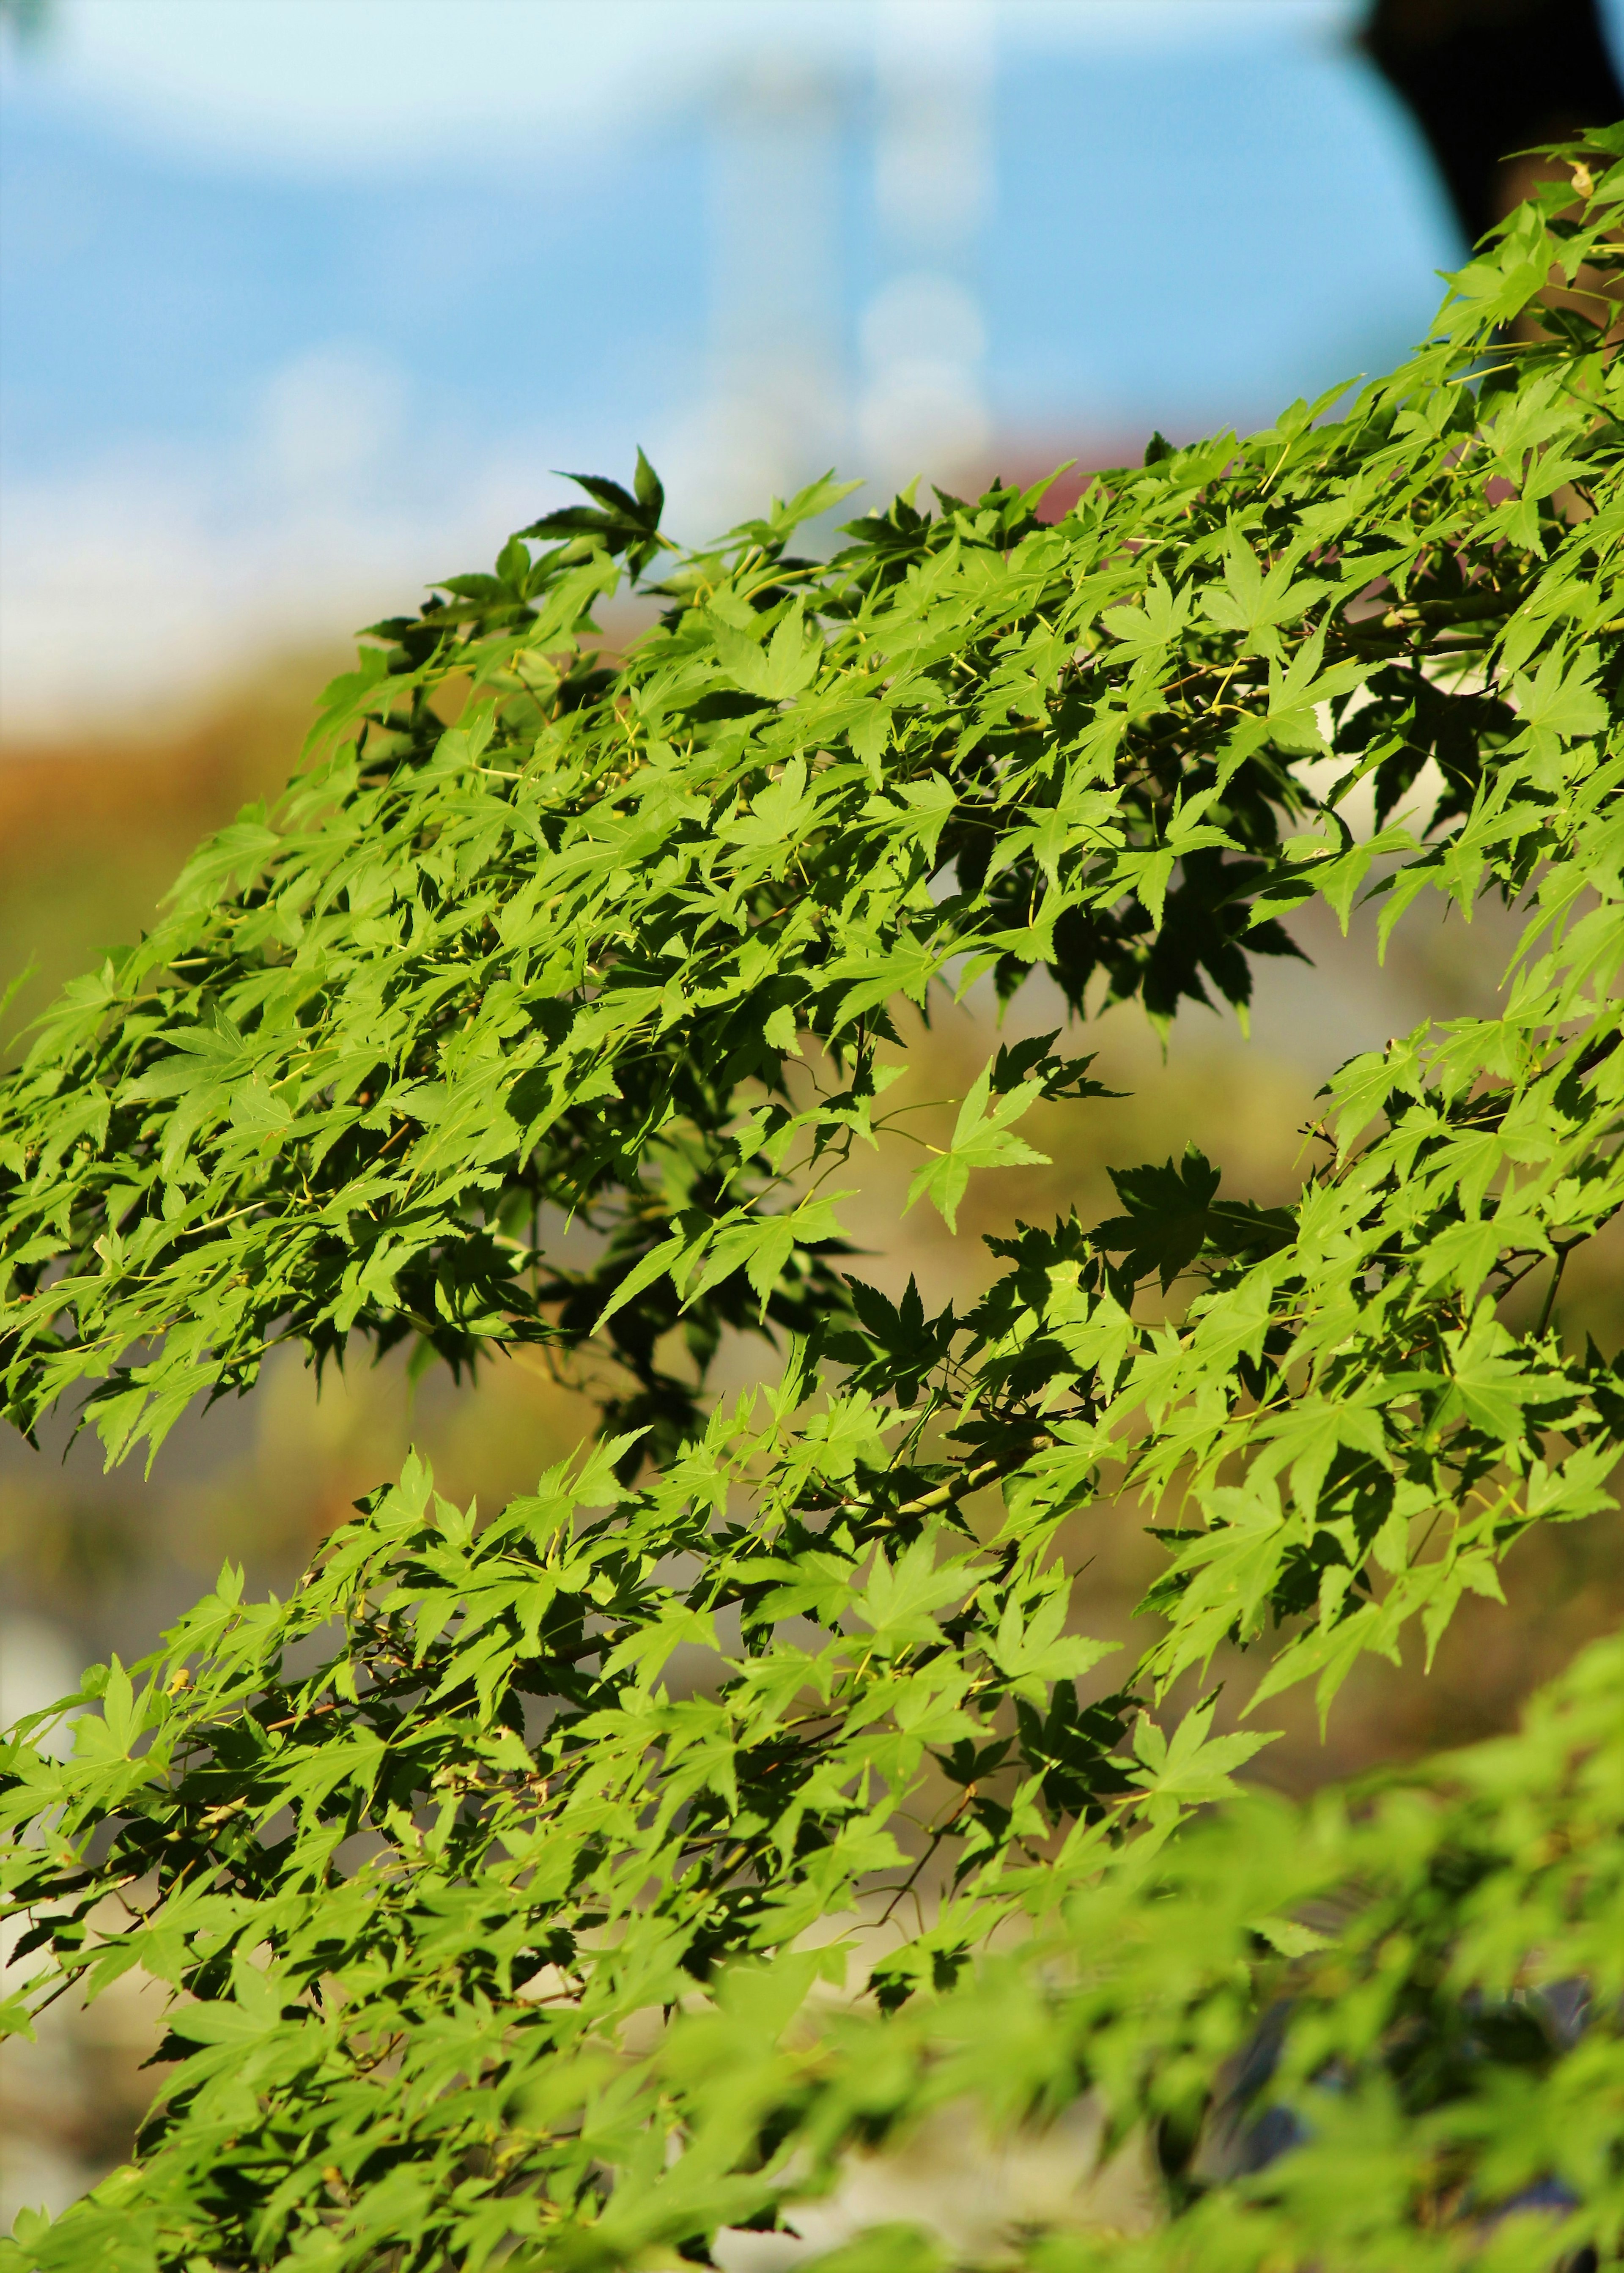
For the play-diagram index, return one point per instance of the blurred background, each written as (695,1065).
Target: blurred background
(306,298)
(303,302)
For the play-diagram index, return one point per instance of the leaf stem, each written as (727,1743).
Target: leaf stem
(1562,1254)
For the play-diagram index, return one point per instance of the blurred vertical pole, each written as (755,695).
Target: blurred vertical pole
(777,413)
(923,406)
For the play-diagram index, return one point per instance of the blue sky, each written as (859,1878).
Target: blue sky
(304,299)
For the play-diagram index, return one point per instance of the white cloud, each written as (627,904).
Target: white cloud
(152,570)
(347,85)
(328,417)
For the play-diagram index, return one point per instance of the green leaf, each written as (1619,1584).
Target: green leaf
(900,1598)
(1171,1217)
(783,668)
(981,1139)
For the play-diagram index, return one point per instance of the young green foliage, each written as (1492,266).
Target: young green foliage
(433,1852)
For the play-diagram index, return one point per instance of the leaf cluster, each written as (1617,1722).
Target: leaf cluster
(494,1872)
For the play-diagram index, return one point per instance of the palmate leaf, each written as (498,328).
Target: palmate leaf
(619,521)
(981,1139)
(497,1933)
(1173,1213)
(783,668)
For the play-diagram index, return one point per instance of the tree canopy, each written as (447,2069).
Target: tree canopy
(563,1024)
